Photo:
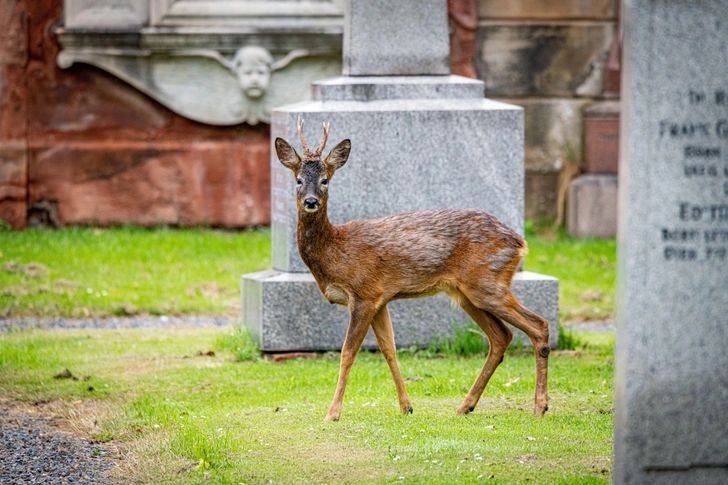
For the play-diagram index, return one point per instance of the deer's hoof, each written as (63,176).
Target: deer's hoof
(331,417)
(465,409)
(540,410)
(410,410)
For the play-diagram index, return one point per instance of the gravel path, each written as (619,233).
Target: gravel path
(164,321)
(597,326)
(121,322)
(33,452)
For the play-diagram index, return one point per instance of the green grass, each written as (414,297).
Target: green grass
(586,269)
(118,271)
(175,416)
(102,272)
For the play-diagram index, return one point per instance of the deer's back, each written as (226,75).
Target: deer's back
(417,251)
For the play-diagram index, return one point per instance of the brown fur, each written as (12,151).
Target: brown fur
(364,265)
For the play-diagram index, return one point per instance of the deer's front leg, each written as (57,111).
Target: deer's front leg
(382,326)
(361,317)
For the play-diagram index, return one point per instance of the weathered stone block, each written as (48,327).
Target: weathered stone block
(105,14)
(13,183)
(547,9)
(14,33)
(554,59)
(406,155)
(601,137)
(541,194)
(671,379)
(286,312)
(403,38)
(592,206)
(553,129)
(215,183)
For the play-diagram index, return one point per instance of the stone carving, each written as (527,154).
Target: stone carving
(208,87)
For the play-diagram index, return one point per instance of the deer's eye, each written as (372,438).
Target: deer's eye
(299,181)
(324,181)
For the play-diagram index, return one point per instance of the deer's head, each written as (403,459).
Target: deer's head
(312,174)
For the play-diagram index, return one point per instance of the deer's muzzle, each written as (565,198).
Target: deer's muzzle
(311,204)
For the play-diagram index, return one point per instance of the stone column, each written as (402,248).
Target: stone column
(671,424)
(421,139)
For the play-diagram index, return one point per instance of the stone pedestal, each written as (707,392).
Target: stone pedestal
(287,312)
(418,142)
(671,379)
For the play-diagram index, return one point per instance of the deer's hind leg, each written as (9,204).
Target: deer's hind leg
(382,326)
(501,303)
(499,337)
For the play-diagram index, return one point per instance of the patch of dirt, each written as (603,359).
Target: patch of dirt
(18,290)
(80,418)
(592,295)
(13,267)
(36,271)
(209,290)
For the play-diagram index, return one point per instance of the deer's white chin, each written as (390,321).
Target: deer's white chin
(310,210)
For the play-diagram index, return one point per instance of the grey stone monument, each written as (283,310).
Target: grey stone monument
(419,141)
(671,410)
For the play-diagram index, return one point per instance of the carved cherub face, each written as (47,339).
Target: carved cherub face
(253,67)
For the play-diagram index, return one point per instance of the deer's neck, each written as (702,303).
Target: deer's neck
(314,233)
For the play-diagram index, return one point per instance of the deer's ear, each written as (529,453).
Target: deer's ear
(287,155)
(338,156)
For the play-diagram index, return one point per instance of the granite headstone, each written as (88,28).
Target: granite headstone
(402,38)
(671,424)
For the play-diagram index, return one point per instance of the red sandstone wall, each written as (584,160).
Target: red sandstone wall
(89,149)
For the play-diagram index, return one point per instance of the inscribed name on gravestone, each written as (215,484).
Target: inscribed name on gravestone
(699,228)
(672,358)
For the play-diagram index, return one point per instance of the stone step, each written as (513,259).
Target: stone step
(374,88)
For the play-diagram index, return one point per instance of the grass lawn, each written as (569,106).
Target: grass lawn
(81,272)
(123,271)
(177,417)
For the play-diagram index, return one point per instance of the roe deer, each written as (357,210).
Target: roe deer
(467,253)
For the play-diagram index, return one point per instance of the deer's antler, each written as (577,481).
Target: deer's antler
(323,142)
(306,152)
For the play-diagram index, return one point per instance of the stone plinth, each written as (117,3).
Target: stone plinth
(287,312)
(370,88)
(671,361)
(402,38)
(407,155)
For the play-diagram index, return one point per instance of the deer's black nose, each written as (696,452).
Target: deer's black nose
(311,203)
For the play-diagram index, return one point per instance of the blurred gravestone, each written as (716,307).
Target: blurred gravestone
(671,424)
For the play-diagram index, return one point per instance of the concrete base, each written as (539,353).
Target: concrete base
(287,312)
(592,207)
